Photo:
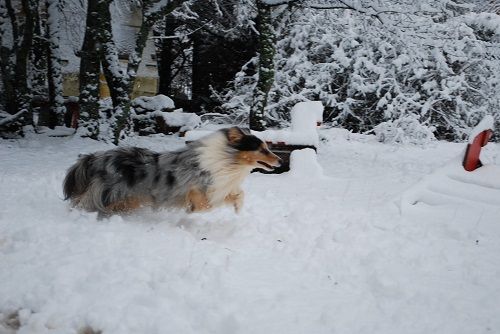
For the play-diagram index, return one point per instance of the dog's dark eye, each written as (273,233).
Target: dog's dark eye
(249,143)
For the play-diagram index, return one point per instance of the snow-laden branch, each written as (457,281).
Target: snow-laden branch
(6,118)
(426,69)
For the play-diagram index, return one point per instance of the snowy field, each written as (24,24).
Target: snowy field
(319,250)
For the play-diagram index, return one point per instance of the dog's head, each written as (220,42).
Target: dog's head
(250,150)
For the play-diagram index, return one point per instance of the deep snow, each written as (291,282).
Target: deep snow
(324,249)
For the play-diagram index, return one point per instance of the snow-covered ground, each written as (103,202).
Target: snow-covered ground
(331,251)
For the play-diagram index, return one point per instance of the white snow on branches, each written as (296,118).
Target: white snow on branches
(436,62)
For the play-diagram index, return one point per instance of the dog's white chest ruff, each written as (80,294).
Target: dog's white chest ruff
(227,177)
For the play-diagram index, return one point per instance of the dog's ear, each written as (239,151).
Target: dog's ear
(246,131)
(234,135)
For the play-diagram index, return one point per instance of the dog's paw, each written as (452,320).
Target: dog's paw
(198,207)
(237,208)
(237,200)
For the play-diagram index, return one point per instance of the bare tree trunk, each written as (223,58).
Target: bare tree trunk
(266,67)
(6,65)
(136,57)
(21,103)
(115,77)
(89,74)
(14,65)
(200,78)
(54,73)
(37,72)
(167,57)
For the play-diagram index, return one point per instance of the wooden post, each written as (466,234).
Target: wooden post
(471,158)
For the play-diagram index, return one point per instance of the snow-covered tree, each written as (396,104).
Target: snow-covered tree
(54,73)
(16,40)
(203,44)
(265,80)
(89,73)
(99,50)
(369,62)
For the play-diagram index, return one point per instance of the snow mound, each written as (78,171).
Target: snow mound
(158,102)
(150,111)
(487,123)
(149,120)
(182,119)
(405,130)
(303,113)
(303,163)
(452,185)
(303,131)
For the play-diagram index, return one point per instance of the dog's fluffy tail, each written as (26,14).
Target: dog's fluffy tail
(77,179)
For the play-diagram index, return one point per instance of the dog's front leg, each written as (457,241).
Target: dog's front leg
(236,199)
(197,201)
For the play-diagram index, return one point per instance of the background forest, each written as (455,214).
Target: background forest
(383,219)
(407,70)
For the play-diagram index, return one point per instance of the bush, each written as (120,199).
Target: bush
(367,72)
(404,130)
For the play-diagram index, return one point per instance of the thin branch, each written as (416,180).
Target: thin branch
(346,6)
(284,2)
(180,36)
(10,118)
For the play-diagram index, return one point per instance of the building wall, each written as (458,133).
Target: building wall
(144,86)
(126,24)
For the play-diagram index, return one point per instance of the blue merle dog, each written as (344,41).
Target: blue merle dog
(206,173)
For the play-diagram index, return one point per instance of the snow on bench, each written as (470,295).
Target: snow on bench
(305,117)
(461,181)
(303,163)
(303,134)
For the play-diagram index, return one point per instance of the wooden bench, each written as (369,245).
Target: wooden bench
(283,151)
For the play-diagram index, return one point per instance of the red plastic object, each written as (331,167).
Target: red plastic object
(471,159)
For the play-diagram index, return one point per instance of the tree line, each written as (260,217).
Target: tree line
(431,63)
(30,33)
